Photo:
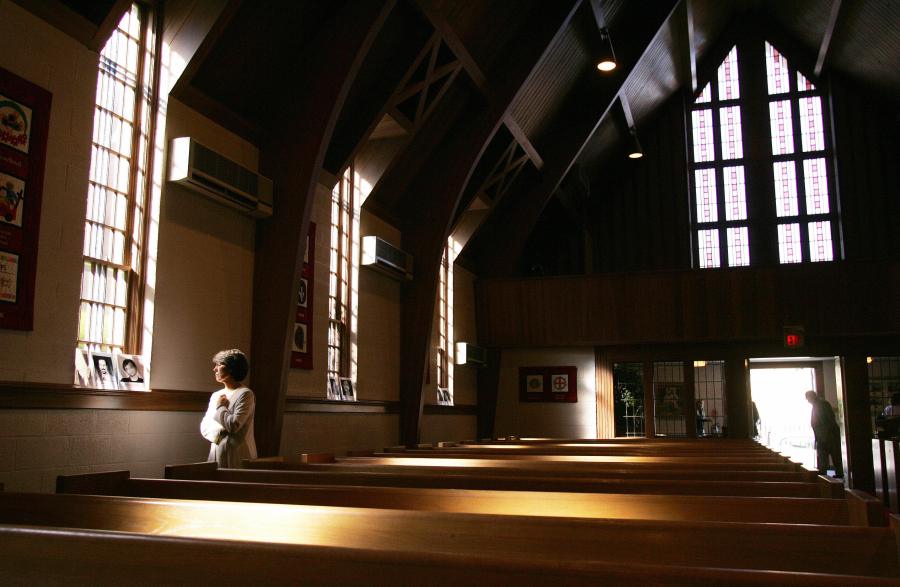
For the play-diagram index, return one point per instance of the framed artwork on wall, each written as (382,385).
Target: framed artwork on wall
(24,125)
(548,384)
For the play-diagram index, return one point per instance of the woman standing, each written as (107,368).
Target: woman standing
(228,422)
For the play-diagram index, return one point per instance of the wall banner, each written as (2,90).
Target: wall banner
(301,351)
(24,124)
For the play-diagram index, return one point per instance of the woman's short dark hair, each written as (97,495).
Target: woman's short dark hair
(129,362)
(234,361)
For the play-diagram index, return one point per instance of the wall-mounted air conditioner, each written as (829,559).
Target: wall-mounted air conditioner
(382,256)
(470,354)
(205,171)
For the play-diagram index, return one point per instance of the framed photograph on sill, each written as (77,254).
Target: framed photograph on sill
(84,375)
(348,389)
(333,391)
(103,372)
(131,372)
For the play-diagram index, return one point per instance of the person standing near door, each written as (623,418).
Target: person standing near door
(827,434)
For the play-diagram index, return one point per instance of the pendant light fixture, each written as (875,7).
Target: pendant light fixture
(606,59)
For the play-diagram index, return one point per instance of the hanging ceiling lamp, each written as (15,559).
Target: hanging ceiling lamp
(634,149)
(606,59)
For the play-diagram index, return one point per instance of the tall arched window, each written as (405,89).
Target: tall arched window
(760,160)
(114,253)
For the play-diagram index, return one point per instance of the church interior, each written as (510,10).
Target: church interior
(531,291)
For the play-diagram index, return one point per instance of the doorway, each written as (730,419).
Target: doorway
(777,388)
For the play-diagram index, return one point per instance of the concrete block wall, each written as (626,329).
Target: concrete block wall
(38,445)
(338,433)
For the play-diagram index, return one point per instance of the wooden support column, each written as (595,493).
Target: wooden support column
(649,408)
(690,403)
(293,159)
(858,424)
(737,398)
(488,387)
(431,199)
(606,400)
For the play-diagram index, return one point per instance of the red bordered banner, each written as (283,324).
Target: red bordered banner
(24,125)
(301,350)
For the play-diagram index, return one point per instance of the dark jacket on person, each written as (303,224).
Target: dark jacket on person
(823,422)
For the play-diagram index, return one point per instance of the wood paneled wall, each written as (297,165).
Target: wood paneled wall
(745,304)
(868,167)
(640,216)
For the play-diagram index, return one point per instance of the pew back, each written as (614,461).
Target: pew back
(629,506)
(64,557)
(783,547)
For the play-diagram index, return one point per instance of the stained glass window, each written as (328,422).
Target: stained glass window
(738,247)
(782,127)
(729,208)
(789,243)
(709,248)
(729,88)
(720,198)
(703,135)
(735,193)
(706,195)
(785,188)
(732,143)
(811,130)
(804,198)
(776,71)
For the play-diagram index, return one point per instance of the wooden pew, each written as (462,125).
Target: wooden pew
(843,550)
(515,467)
(615,451)
(717,463)
(857,509)
(475,480)
(65,557)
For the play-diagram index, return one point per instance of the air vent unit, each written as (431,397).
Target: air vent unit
(383,256)
(205,171)
(470,354)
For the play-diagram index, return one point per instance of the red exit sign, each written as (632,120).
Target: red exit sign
(794,337)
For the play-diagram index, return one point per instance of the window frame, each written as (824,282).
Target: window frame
(343,274)
(761,221)
(139,181)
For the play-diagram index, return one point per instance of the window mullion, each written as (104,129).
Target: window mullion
(144,98)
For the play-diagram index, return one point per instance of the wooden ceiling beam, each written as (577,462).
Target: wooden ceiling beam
(402,38)
(691,53)
(599,17)
(293,159)
(434,194)
(499,243)
(109,24)
(516,131)
(448,34)
(198,41)
(827,36)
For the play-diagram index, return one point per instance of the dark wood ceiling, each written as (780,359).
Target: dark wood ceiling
(452,57)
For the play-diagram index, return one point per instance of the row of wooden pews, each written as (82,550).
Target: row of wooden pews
(658,512)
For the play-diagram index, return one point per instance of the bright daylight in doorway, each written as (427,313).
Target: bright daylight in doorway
(784,412)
